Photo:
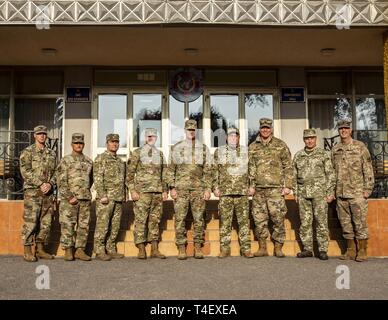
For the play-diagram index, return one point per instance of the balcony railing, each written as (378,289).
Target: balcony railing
(12,144)
(377,144)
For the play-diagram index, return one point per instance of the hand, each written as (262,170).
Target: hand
(104,200)
(135,196)
(329,199)
(251,191)
(73,200)
(366,194)
(174,194)
(206,195)
(45,187)
(164,196)
(217,193)
(285,191)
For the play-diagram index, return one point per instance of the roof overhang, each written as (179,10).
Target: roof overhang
(342,14)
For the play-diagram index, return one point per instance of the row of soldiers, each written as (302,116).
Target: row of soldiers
(264,170)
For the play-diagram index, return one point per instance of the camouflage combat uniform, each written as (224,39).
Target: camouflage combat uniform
(146,175)
(231,179)
(314,181)
(270,170)
(75,179)
(354,173)
(109,181)
(37,166)
(189,172)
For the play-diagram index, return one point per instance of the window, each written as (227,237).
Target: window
(112,117)
(256,106)
(4,119)
(331,83)
(223,114)
(147,113)
(370,113)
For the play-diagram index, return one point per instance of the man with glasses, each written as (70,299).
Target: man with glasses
(37,167)
(355,180)
(109,183)
(74,179)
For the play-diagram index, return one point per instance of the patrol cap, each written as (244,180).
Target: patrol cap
(151,132)
(308,133)
(40,129)
(77,138)
(191,124)
(265,122)
(112,137)
(344,123)
(232,130)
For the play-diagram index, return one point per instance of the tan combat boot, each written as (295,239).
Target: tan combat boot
(142,252)
(103,256)
(262,251)
(155,253)
(81,255)
(350,253)
(28,255)
(278,250)
(41,253)
(362,250)
(224,253)
(247,254)
(182,252)
(198,254)
(69,254)
(115,255)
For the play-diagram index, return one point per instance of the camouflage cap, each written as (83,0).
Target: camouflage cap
(265,122)
(232,130)
(77,138)
(191,124)
(308,133)
(344,123)
(40,129)
(151,132)
(112,137)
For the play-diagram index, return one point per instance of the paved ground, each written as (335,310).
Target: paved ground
(211,278)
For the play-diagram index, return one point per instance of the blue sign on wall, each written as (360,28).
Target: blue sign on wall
(292,94)
(78,94)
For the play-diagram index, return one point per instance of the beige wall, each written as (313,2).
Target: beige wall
(78,115)
(292,115)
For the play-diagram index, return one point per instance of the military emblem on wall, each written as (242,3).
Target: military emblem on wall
(186,84)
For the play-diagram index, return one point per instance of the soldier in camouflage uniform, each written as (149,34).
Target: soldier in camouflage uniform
(146,182)
(271,178)
(231,184)
(74,179)
(313,190)
(355,181)
(190,183)
(37,166)
(109,183)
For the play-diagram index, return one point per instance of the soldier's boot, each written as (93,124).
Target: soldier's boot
(278,250)
(304,254)
(262,251)
(41,253)
(115,255)
(224,253)
(103,256)
(247,254)
(81,255)
(28,255)
(69,254)
(350,253)
(182,252)
(323,255)
(362,250)
(198,254)
(155,253)
(142,252)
